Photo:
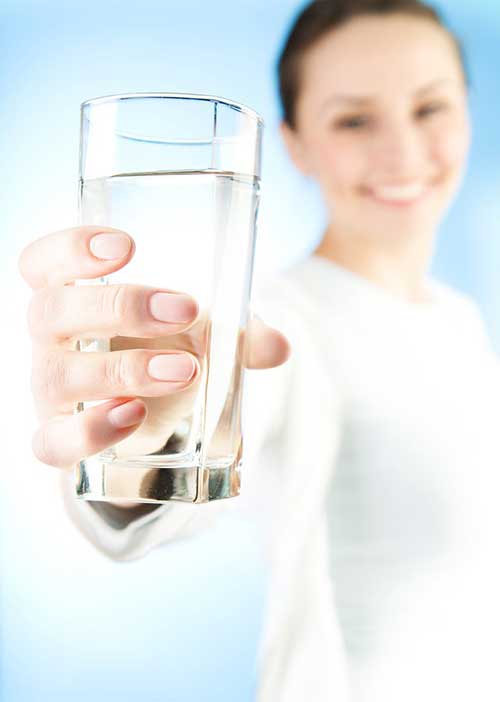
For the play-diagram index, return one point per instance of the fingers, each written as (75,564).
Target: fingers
(63,441)
(62,257)
(50,264)
(265,347)
(60,379)
(105,311)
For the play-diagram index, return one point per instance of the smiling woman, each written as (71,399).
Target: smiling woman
(376,112)
(373,452)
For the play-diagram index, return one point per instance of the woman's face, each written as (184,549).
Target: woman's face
(382,124)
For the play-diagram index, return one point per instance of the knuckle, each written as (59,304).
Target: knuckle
(41,311)
(33,314)
(42,447)
(116,303)
(22,266)
(120,371)
(30,266)
(49,377)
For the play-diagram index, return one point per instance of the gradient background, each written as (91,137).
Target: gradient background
(183,624)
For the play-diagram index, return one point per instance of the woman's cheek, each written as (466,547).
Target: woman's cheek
(451,144)
(340,166)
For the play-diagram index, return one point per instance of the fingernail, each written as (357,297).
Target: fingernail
(127,414)
(172,366)
(109,246)
(172,307)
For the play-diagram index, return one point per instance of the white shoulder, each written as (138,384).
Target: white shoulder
(453,296)
(465,311)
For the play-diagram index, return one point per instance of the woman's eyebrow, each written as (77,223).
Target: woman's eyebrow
(430,86)
(360,100)
(353,99)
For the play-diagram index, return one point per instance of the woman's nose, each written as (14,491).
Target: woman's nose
(400,153)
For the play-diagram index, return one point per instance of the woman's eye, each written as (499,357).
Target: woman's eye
(430,109)
(354,122)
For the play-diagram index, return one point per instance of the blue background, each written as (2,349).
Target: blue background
(182,624)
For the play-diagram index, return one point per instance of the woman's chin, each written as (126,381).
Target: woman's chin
(408,225)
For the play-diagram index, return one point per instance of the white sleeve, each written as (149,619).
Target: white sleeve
(128,534)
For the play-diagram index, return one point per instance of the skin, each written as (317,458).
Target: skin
(411,127)
(60,312)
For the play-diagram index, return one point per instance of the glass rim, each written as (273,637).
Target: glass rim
(183,96)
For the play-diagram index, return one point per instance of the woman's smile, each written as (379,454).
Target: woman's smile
(402,196)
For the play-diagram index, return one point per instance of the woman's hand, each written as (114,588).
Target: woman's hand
(138,319)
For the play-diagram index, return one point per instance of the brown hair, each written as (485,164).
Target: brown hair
(320,17)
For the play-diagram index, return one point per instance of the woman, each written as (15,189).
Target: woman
(375,443)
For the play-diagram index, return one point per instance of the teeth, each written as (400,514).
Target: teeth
(399,192)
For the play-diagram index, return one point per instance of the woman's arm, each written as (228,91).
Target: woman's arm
(127,533)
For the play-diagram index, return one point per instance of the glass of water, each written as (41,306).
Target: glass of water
(181,174)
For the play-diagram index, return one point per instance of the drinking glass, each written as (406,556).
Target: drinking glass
(181,174)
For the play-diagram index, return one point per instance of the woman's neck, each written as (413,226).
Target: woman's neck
(401,269)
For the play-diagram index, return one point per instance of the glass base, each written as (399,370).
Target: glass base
(100,479)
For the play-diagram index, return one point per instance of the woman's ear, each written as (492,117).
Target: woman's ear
(295,148)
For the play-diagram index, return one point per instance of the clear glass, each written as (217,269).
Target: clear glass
(181,174)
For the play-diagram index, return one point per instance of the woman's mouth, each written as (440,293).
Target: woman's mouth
(396,195)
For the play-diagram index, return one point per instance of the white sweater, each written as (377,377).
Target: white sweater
(372,465)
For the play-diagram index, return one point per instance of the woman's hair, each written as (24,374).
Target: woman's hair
(320,17)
